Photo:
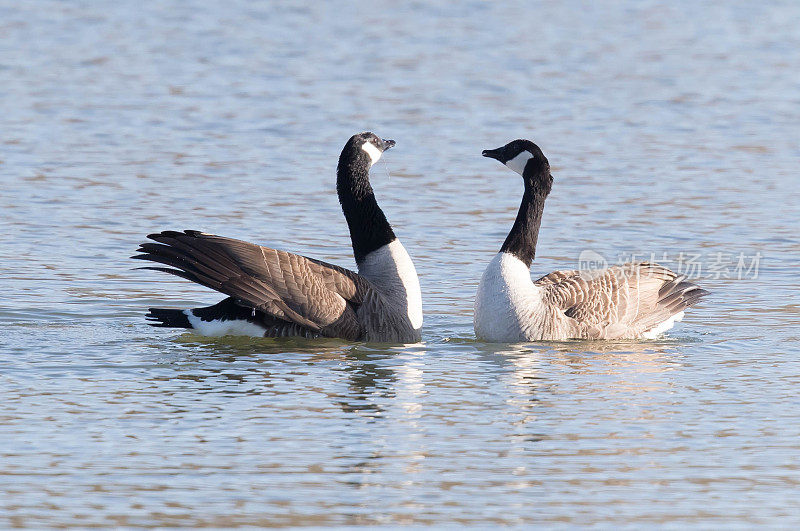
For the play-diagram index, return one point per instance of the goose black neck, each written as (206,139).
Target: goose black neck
(521,241)
(369,228)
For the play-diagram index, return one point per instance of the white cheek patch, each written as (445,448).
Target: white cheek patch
(518,163)
(373,152)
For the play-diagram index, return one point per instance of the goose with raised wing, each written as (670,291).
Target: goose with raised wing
(630,301)
(274,293)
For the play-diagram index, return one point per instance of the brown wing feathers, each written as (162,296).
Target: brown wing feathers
(288,286)
(638,296)
(195,260)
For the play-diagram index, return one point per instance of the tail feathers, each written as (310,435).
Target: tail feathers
(680,294)
(674,297)
(168,318)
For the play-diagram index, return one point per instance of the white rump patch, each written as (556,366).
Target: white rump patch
(234,327)
(373,152)
(663,327)
(518,163)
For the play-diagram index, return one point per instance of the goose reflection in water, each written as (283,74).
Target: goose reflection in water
(548,383)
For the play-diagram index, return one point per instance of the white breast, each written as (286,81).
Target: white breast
(506,300)
(391,270)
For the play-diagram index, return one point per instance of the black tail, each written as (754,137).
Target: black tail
(168,318)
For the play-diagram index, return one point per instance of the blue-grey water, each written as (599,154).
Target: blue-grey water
(673,129)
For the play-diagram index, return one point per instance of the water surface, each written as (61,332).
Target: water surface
(671,129)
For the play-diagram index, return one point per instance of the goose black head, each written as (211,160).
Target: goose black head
(522,156)
(370,146)
(358,155)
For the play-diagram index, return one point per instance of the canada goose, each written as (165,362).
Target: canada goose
(629,301)
(276,294)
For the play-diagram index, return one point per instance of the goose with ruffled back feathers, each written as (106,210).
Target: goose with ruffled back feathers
(274,293)
(637,300)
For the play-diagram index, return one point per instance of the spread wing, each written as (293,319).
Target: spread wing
(620,301)
(314,294)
